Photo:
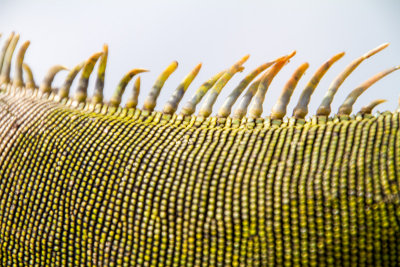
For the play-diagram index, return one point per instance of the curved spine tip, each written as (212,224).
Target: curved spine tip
(243,59)
(151,100)
(241,110)
(325,107)
(190,106)
(99,84)
(65,88)
(291,55)
(368,108)
(347,106)
(256,107)
(279,109)
(6,67)
(133,99)
(375,50)
(206,108)
(4,50)
(244,103)
(301,109)
(18,80)
(226,108)
(45,87)
(115,100)
(172,104)
(30,82)
(81,91)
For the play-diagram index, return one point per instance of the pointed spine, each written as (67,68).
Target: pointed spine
(347,106)
(279,109)
(18,80)
(207,106)
(45,86)
(190,106)
(30,81)
(151,100)
(81,91)
(226,108)
(65,88)
(6,67)
(256,107)
(99,85)
(301,109)
(117,96)
(244,103)
(4,50)
(368,108)
(325,107)
(133,98)
(172,104)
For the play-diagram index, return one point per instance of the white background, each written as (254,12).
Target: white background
(150,34)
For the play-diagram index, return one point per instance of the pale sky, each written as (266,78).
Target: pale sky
(151,34)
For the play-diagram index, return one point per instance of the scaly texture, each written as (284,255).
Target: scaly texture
(96,184)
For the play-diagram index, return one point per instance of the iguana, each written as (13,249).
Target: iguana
(85,181)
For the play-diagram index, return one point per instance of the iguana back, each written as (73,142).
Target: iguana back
(87,182)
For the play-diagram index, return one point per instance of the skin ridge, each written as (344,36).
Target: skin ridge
(154,117)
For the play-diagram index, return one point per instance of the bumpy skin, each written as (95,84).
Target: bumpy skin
(86,186)
(86,182)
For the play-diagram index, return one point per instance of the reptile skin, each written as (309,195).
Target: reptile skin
(97,184)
